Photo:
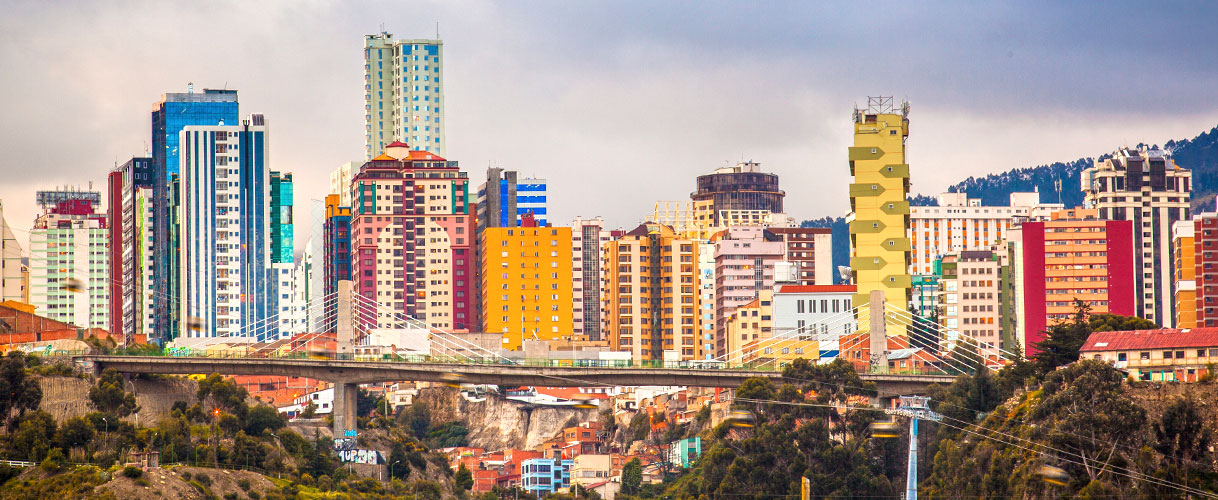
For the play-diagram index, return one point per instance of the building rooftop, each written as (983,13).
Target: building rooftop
(1165,338)
(817,289)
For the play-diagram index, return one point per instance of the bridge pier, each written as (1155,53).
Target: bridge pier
(345,403)
(878,334)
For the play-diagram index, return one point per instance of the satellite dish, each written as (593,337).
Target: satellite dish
(844,273)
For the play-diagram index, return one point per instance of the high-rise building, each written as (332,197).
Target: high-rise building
(650,293)
(412,238)
(12,278)
(960,223)
(1146,187)
(169,116)
(282,247)
(402,93)
(879,222)
(743,187)
(810,249)
(588,237)
(340,181)
(526,283)
(1073,255)
(131,206)
(504,199)
(69,278)
(227,281)
(1200,283)
(970,293)
(745,259)
(1184,247)
(337,244)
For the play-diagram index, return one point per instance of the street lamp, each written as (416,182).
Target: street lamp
(391,470)
(107,434)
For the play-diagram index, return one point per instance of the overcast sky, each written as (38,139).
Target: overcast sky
(618,104)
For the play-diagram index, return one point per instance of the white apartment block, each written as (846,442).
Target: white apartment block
(961,223)
(226,285)
(588,238)
(403,94)
(69,266)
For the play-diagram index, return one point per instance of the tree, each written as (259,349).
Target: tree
(1182,437)
(447,435)
(34,436)
(224,393)
(632,477)
(18,392)
(109,396)
(417,418)
(260,418)
(464,479)
(75,432)
(400,461)
(1063,340)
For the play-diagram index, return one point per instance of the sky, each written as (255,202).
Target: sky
(618,104)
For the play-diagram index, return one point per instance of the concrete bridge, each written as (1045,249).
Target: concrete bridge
(347,375)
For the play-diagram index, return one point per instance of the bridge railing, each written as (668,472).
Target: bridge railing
(757,366)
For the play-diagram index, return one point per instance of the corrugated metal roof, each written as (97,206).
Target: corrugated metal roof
(1166,338)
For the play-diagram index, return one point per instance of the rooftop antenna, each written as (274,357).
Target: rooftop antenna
(437,30)
(190,87)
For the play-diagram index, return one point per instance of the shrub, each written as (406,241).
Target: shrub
(133,472)
(244,484)
(141,482)
(203,479)
(254,495)
(232,495)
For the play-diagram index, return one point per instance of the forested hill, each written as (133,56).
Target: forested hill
(1199,154)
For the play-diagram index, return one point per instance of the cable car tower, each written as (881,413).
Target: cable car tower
(916,408)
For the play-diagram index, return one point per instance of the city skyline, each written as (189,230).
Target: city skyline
(584,104)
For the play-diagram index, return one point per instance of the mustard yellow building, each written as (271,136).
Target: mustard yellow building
(651,297)
(879,229)
(526,283)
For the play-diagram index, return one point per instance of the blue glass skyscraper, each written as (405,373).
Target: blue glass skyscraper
(169,116)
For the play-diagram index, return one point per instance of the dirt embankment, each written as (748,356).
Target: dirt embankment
(498,423)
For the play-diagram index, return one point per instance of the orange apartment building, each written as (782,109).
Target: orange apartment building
(1073,255)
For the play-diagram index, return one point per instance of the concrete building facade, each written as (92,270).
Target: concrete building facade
(526,283)
(403,89)
(1074,255)
(810,249)
(742,187)
(228,285)
(130,211)
(745,259)
(879,223)
(69,271)
(1185,272)
(819,312)
(650,293)
(12,271)
(412,239)
(588,238)
(1147,188)
(970,292)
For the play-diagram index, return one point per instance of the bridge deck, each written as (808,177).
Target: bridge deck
(549,376)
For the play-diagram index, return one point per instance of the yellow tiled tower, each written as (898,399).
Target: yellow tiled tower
(879,229)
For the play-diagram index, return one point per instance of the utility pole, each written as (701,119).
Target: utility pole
(914,407)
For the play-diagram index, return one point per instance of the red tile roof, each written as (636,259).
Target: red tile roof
(1166,338)
(817,288)
(423,155)
(397,144)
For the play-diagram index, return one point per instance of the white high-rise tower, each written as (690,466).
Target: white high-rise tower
(403,94)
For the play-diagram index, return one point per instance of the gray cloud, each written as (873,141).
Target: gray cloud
(618,104)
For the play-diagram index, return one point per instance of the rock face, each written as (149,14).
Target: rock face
(67,397)
(498,423)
